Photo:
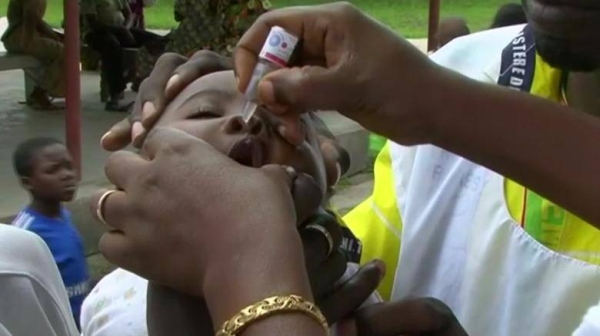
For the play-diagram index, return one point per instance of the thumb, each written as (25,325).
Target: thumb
(302,89)
(304,190)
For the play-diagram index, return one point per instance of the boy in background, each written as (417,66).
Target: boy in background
(45,169)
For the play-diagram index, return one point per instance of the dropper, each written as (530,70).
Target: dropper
(275,54)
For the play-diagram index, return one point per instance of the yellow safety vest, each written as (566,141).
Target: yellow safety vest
(377,222)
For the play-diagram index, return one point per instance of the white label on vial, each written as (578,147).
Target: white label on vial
(279,46)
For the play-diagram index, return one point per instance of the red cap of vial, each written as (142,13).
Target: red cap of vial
(279,46)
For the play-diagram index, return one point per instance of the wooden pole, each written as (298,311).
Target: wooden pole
(434,23)
(72,97)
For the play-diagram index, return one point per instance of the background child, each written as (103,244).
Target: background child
(44,168)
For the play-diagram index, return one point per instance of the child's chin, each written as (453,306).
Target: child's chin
(68,196)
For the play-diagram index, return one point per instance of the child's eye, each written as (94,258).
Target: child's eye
(203,113)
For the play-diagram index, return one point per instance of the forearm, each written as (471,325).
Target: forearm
(232,288)
(170,312)
(548,148)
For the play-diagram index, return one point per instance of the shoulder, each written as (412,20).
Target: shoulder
(21,250)
(23,220)
(29,276)
(66,214)
(471,55)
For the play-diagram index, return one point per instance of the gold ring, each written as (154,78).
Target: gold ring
(325,233)
(100,206)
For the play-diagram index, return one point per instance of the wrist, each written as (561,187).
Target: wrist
(252,274)
(412,111)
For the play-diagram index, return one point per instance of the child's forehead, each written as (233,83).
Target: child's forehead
(51,152)
(222,81)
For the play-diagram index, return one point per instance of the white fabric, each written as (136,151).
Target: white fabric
(33,300)
(3,27)
(459,243)
(591,323)
(117,305)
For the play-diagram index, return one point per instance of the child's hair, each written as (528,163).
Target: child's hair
(26,150)
(509,15)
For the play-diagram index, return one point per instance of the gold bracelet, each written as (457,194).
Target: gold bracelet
(271,306)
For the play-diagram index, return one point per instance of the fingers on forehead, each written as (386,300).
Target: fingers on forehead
(165,66)
(122,167)
(152,88)
(203,62)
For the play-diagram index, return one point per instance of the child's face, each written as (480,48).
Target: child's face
(52,175)
(211,109)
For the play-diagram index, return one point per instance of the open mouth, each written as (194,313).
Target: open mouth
(249,151)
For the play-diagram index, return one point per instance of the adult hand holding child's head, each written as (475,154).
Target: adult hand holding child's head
(189,217)
(171,74)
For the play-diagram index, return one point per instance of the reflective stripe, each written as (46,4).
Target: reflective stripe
(384,220)
(377,224)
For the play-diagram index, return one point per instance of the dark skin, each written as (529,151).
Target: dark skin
(339,48)
(240,249)
(210,109)
(53,180)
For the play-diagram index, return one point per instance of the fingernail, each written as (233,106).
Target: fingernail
(136,130)
(148,110)
(104,137)
(172,81)
(290,170)
(267,92)
(381,266)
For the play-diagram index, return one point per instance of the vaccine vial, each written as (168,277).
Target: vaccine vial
(275,54)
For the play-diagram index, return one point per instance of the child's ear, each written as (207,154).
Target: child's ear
(26,183)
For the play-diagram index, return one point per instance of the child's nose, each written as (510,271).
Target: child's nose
(236,124)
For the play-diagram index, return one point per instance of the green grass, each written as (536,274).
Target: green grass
(407,17)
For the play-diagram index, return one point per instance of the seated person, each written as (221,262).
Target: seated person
(28,34)
(203,25)
(137,13)
(45,169)
(211,109)
(107,30)
(451,28)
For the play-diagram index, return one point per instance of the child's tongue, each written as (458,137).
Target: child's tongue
(248,152)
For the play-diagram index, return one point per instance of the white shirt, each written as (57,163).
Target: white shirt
(460,243)
(591,323)
(33,300)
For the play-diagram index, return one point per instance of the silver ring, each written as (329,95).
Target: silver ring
(100,206)
(325,233)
